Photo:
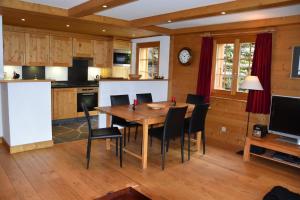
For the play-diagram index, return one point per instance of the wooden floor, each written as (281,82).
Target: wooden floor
(59,173)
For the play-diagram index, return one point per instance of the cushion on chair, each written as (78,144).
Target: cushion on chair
(106,132)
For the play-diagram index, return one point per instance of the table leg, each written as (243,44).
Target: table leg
(108,124)
(246,156)
(198,141)
(145,144)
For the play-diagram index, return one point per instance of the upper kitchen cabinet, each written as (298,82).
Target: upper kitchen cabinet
(14,48)
(122,44)
(82,47)
(61,51)
(102,53)
(37,49)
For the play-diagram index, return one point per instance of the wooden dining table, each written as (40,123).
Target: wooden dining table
(146,117)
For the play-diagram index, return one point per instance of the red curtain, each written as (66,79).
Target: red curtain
(259,101)
(205,65)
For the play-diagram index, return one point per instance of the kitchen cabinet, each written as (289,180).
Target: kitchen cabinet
(61,51)
(14,48)
(64,103)
(122,44)
(37,49)
(102,53)
(82,47)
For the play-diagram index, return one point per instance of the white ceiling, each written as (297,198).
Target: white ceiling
(66,4)
(146,8)
(244,16)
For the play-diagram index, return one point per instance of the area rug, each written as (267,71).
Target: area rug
(124,194)
(281,193)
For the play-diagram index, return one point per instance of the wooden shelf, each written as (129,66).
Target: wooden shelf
(272,145)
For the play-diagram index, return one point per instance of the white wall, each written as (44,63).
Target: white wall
(27,113)
(158,89)
(163,56)
(5,125)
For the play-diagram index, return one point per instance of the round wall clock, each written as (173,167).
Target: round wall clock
(185,56)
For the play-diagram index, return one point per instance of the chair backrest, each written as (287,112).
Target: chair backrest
(195,99)
(118,100)
(87,116)
(197,122)
(174,123)
(144,98)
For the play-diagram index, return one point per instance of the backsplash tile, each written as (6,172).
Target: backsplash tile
(9,71)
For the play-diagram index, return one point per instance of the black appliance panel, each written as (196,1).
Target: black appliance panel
(88,96)
(121,58)
(79,71)
(29,72)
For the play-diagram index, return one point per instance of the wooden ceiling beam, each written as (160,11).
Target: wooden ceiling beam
(272,22)
(92,6)
(212,10)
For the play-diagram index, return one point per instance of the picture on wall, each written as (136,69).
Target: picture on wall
(296,62)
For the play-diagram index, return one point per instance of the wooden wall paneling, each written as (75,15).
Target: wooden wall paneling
(14,48)
(82,47)
(122,44)
(64,103)
(102,53)
(37,49)
(61,51)
(230,112)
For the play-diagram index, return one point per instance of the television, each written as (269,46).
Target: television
(285,118)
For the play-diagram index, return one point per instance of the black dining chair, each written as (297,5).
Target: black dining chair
(118,100)
(144,98)
(195,99)
(173,127)
(101,133)
(197,123)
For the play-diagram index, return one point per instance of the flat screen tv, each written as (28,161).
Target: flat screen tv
(285,117)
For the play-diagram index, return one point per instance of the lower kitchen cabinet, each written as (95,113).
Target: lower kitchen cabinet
(64,103)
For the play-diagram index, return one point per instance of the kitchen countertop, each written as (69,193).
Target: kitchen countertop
(21,80)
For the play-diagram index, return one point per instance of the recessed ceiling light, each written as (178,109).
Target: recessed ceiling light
(23,19)
(169,21)
(103,30)
(67,25)
(104,6)
(223,13)
(133,35)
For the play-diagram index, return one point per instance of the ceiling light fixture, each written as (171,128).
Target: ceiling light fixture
(103,30)
(104,6)
(23,19)
(223,13)
(67,25)
(169,21)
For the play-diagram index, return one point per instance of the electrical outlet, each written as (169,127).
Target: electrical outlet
(223,129)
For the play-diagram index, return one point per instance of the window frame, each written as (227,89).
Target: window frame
(146,45)
(233,93)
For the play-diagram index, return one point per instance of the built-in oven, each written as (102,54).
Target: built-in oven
(122,57)
(88,96)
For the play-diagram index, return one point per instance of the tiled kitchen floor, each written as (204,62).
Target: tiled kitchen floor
(71,130)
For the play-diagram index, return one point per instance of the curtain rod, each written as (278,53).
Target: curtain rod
(269,30)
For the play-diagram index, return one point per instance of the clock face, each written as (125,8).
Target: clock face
(185,56)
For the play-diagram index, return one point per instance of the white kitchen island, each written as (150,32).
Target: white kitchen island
(158,89)
(26,114)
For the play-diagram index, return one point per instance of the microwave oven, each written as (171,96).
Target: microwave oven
(122,57)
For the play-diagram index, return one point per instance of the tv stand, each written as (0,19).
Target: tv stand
(272,146)
(288,140)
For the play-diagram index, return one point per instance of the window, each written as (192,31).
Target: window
(233,62)
(148,59)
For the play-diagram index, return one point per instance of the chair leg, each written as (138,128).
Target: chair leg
(124,136)
(163,155)
(88,153)
(203,141)
(161,146)
(136,132)
(121,151)
(168,142)
(189,145)
(117,143)
(182,148)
